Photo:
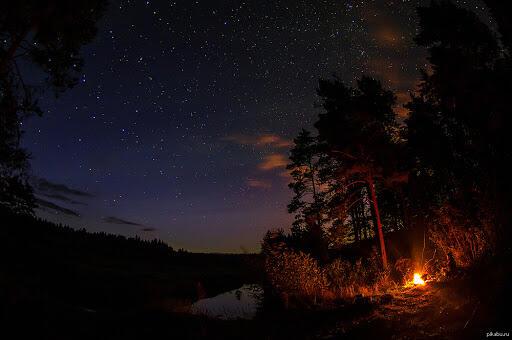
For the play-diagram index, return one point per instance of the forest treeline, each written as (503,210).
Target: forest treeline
(73,283)
(65,241)
(442,172)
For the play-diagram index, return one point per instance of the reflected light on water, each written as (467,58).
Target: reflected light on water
(241,303)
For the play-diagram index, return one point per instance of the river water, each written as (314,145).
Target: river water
(241,303)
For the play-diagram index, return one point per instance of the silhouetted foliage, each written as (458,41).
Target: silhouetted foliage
(442,172)
(308,202)
(80,242)
(47,35)
(459,121)
(357,144)
(499,11)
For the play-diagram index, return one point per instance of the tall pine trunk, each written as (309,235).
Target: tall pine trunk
(375,205)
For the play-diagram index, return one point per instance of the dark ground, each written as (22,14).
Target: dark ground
(59,284)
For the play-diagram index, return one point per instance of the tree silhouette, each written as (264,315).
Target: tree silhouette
(459,120)
(499,10)
(307,203)
(49,35)
(358,129)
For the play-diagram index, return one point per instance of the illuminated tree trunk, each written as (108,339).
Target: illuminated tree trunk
(373,198)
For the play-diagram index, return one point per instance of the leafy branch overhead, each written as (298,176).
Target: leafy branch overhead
(47,36)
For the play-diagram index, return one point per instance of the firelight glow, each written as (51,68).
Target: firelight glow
(417,280)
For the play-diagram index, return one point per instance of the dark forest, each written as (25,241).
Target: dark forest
(289,170)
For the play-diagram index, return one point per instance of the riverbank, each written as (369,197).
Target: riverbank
(56,283)
(53,277)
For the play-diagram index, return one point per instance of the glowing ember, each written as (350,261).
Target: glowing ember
(417,280)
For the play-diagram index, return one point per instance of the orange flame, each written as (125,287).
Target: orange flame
(417,280)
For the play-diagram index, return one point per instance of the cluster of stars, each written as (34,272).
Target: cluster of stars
(166,83)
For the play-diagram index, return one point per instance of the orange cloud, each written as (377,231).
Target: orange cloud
(387,36)
(273,161)
(384,29)
(401,99)
(274,140)
(258,183)
(260,141)
(401,112)
(285,174)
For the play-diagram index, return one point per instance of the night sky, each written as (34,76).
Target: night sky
(181,123)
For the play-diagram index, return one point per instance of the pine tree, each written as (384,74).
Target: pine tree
(307,204)
(358,128)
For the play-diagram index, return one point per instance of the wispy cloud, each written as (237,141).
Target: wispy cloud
(47,205)
(117,220)
(402,98)
(44,186)
(259,141)
(273,161)
(63,198)
(122,221)
(48,192)
(285,174)
(259,183)
(384,30)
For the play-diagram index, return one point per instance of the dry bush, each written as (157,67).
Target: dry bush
(462,241)
(348,279)
(297,275)
(405,269)
(340,277)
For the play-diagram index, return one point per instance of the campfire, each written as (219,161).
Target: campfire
(417,280)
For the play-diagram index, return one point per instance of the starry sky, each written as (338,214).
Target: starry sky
(181,123)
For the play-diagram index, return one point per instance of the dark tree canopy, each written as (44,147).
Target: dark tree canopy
(459,118)
(356,122)
(51,34)
(308,202)
(450,155)
(48,35)
(500,11)
(334,174)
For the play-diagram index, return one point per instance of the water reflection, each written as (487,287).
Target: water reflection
(241,303)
